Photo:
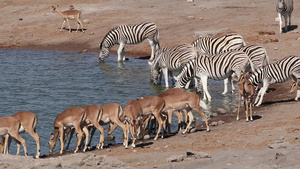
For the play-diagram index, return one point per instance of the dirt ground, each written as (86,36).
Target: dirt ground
(270,141)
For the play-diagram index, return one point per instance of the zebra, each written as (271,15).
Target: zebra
(168,59)
(129,34)
(277,72)
(257,54)
(215,45)
(217,67)
(284,8)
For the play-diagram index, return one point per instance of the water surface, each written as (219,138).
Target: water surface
(48,82)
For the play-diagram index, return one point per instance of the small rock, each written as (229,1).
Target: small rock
(197,155)
(189,1)
(147,137)
(214,114)
(214,123)
(222,111)
(175,158)
(221,122)
(278,145)
(193,130)
(191,17)
(298,38)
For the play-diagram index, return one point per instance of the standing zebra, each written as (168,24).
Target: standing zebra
(217,67)
(129,34)
(258,56)
(284,8)
(169,59)
(277,72)
(212,46)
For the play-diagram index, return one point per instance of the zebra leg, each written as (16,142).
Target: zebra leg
(280,23)
(152,45)
(205,91)
(225,86)
(121,51)
(290,14)
(261,93)
(165,72)
(285,22)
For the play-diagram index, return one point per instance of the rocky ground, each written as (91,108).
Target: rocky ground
(270,141)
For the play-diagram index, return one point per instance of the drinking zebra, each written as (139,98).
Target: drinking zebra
(284,8)
(277,72)
(217,67)
(168,59)
(129,34)
(211,46)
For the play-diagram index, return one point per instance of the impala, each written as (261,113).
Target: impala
(247,91)
(133,114)
(102,115)
(9,127)
(184,100)
(295,86)
(71,117)
(69,15)
(153,105)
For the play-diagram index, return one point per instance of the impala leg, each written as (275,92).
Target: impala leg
(72,130)
(61,139)
(250,106)
(180,119)
(132,131)
(19,140)
(37,141)
(62,26)
(246,108)
(160,123)
(6,137)
(79,138)
(101,140)
(69,25)
(86,132)
(203,116)
(239,105)
(191,118)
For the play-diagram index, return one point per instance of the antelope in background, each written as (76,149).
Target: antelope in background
(69,15)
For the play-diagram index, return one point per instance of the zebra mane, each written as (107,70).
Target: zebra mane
(107,35)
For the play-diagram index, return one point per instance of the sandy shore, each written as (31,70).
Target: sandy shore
(270,141)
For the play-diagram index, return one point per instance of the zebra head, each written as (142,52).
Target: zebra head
(155,74)
(104,53)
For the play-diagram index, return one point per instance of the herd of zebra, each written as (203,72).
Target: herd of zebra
(218,58)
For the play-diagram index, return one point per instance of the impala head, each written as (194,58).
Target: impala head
(52,143)
(243,77)
(104,53)
(294,86)
(55,8)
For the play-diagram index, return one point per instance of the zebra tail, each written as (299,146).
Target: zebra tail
(251,65)
(203,105)
(267,59)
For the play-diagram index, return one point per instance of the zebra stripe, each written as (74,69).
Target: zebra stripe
(168,59)
(129,34)
(257,54)
(284,8)
(277,72)
(212,46)
(217,67)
